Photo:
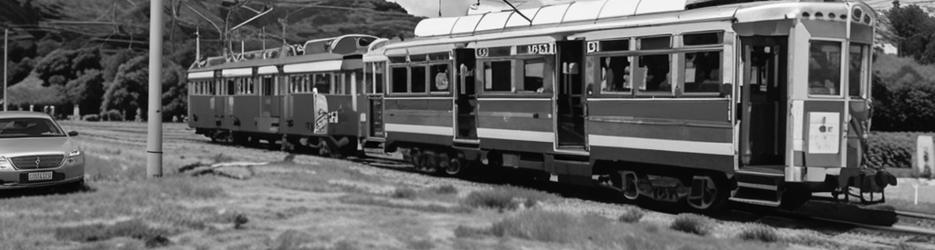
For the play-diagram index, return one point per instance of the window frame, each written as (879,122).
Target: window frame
(639,53)
(482,79)
(842,74)
(864,73)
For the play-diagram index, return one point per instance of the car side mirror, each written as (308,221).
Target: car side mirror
(72,133)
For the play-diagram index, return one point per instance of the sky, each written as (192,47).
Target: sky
(429,8)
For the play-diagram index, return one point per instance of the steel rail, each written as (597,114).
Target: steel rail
(915,215)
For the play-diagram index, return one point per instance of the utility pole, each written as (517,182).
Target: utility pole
(6,52)
(154,134)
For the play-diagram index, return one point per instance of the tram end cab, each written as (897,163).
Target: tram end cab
(805,103)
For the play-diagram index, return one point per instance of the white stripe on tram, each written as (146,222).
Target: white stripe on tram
(419,129)
(710,148)
(519,135)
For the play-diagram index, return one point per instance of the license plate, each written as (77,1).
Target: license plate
(39,176)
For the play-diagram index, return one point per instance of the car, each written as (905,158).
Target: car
(36,152)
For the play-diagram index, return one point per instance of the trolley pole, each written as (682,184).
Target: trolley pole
(154,134)
(6,52)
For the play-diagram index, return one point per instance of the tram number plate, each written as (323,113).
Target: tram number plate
(536,49)
(39,176)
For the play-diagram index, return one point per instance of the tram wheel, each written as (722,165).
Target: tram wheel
(629,185)
(708,193)
(454,167)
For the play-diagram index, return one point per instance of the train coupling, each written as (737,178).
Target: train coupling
(866,184)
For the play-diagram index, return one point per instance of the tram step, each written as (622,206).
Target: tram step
(756,202)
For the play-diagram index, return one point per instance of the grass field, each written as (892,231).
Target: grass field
(318,203)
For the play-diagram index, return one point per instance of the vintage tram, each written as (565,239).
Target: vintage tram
(697,103)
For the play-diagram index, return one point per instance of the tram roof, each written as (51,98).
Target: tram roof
(603,14)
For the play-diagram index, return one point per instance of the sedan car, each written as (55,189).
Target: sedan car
(36,152)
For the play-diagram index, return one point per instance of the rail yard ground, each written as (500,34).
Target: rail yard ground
(265,199)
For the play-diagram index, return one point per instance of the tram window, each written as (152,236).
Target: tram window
(497,76)
(533,75)
(856,71)
(439,76)
(339,84)
(418,79)
(368,78)
(323,83)
(615,74)
(653,73)
(656,43)
(267,86)
(615,45)
(399,80)
(702,38)
(231,87)
(703,72)
(824,68)
(378,71)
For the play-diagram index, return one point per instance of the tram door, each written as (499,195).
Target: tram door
(465,96)
(763,101)
(570,96)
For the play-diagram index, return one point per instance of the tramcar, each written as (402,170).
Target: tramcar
(301,96)
(670,100)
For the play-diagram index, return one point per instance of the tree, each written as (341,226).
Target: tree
(86,91)
(127,92)
(174,92)
(914,29)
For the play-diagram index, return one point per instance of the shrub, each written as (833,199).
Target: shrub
(112,115)
(759,232)
(446,189)
(891,149)
(505,198)
(91,118)
(630,214)
(135,228)
(693,223)
(403,193)
(470,232)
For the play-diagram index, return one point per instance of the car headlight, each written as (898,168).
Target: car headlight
(74,153)
(5,164)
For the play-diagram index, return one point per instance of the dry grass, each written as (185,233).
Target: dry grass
(759,232)
(506,198)
(136,229)
(630,214)
(693,223)
(591,231)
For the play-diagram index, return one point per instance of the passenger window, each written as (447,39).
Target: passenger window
(855,74)
(418,79)
(654,73)
(533,75)
(497,76)
(400,80)
(323,83)
(378,72)
(703,72)
(701,39)
(615,74)
(439,76)
(267,86)
(824,68)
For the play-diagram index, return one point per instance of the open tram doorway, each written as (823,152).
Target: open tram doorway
(763,102)
(570,97)
(465,96)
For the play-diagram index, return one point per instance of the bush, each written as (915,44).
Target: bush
(112,115)
(505,198)
(446,189)
(91,118)
(403,193)
(631,214)
(759,232)
(891,149)
(693,223)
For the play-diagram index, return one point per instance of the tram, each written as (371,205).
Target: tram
(671,100)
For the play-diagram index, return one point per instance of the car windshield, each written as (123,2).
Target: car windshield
(28,127)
